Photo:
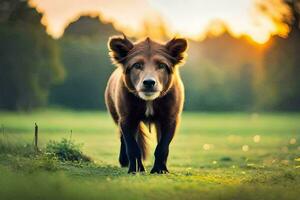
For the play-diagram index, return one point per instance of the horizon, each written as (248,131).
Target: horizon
(243,18)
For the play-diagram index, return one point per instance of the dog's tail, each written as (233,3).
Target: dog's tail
(142,139)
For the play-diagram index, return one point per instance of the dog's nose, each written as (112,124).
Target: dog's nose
(149,83)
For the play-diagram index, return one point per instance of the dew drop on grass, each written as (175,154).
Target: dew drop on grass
(256,138)
(206,147)
(245,148)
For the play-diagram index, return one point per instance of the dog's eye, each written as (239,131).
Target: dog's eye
(162,66)
(137,65)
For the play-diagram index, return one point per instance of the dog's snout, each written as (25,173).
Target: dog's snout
(149,83)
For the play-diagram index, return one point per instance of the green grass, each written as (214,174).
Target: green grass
(206,158)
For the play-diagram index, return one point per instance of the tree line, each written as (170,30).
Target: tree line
(222,73)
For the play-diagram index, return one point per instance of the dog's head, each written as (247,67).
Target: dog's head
(148,66)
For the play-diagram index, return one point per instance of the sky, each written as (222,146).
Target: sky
(188,18)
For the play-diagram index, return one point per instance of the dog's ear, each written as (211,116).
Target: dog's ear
(119,46)
(176,48)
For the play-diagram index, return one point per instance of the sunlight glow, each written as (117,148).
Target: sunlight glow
(245,148)
(190,18)
(206,147)
(256,138)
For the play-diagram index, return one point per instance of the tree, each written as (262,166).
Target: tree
(280,86)
(29,58)
(87,64)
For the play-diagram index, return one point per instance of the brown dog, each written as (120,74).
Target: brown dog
(145,87)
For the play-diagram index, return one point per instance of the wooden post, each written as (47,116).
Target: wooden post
(36,132)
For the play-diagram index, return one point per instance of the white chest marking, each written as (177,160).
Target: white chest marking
(149,109)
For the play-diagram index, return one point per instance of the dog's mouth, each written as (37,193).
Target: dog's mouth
(148,95)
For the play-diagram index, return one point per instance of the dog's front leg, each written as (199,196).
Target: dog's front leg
(129,129)
(167,131)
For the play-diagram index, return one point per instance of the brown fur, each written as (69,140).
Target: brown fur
(129,100)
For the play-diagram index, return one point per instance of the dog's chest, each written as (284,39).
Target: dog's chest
(149,109)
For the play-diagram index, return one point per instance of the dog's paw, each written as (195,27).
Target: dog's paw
(162,169)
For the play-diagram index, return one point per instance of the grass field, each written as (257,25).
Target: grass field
(213,156)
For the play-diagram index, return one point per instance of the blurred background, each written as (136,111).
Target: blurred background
(243,55)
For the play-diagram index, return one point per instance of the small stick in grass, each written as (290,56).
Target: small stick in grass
(36,132)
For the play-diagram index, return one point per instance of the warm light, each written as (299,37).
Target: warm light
(206,147)
(245,148)
(256,138)
(193,18)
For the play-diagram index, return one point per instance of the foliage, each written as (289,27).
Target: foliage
(29,59)
(215,78)
(11,148)
(66,150)
(85,57)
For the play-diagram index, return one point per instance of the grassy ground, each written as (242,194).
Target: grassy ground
(213,156)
